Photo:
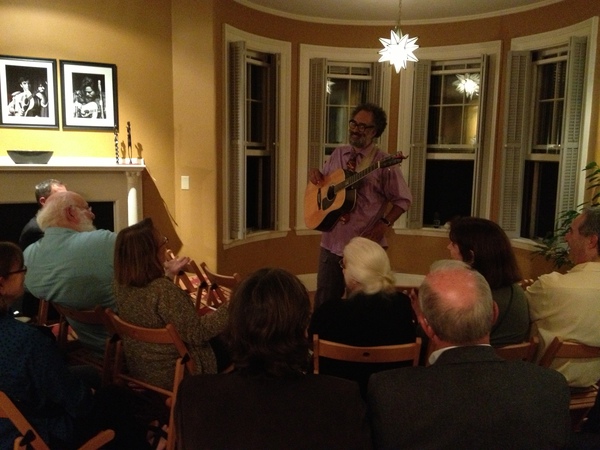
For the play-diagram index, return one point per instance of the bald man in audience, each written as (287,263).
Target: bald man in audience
(467,397)
(73,264)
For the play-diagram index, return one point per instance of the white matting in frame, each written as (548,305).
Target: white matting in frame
(28,95)
(89,95)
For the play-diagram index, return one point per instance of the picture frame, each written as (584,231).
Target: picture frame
(28,93)
(89,95)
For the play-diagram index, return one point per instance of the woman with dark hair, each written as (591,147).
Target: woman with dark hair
(269,401)
(483,245)
(33,373)
(146,297)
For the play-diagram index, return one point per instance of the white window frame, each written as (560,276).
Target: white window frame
(485,178)
(557,38)
(308,52)
(284,51)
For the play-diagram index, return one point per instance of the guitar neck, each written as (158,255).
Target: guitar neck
(356,177)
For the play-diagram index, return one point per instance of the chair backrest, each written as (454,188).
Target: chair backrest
(221,286)
(29,436)
(166,335)
(377,354)
(561,348)
(525,351)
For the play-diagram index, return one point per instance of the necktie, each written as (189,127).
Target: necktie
(351,164)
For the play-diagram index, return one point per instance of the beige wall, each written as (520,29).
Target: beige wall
(169,58)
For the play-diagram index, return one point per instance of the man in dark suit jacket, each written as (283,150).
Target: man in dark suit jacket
(467,397)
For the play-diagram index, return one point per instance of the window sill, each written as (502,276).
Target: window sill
(256,237)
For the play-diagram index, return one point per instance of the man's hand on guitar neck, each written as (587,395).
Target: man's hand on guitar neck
(315,176)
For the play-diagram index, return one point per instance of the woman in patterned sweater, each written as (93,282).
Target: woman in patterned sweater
(147,297)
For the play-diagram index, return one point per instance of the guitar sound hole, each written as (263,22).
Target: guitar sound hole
(330,193)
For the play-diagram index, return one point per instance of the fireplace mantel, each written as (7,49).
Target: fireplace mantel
(96,179)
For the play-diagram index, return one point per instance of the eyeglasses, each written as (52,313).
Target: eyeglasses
(341,263)
(164,241)
(21,270)
(360,126)
(88,207)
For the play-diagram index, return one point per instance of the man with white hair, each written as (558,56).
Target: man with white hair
(73,264)
(468,397)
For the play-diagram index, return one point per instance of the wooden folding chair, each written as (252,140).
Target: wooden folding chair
(29,436)
(193,281)
(378,354)
(581,400)
(525,351)
(167,336)
(220,286)
(77,353)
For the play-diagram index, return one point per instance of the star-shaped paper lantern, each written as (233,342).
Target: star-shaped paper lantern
(468,83)
(398,49)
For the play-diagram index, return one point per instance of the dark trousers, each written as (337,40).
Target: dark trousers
(330,278)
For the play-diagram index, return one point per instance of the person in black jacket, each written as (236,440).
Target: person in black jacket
(373,312)
(468,397)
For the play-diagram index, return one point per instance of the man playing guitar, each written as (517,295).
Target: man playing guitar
(370,216)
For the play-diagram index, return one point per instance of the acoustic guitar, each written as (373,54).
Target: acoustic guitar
(336,196)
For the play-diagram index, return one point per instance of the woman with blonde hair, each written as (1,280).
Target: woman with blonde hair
(373,312)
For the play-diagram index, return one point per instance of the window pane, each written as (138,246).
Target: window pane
(337,125)
(339,91)
(259,192)
(539,199)
(433,127)
(451,125)
(358,93)
(451,94)
(448,187)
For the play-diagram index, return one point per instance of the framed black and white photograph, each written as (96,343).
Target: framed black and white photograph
(89,95)
(28,95)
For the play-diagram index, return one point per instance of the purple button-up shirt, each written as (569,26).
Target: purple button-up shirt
(373,193)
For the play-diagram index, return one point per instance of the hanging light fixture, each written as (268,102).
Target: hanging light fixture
(468,84)
(399,48)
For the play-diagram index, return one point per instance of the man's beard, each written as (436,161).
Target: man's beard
(85,223)
(358,140)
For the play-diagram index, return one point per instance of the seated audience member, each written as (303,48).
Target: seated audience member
(269,401)
(73,264)
(483,245)
(31,231)
(374,313)
(468,397)
(568,305)
(146,297)
(32,372)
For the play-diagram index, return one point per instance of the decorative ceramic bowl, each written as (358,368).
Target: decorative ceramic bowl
(30,156)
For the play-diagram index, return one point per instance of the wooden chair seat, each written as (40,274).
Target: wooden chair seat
(30,439)
(525,351)
(167,336)
(582,400)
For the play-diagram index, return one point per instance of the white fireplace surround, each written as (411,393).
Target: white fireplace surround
(96,179)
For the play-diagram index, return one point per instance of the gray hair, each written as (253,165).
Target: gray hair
(52,214)
(367,262)
(591,223)
(462,322)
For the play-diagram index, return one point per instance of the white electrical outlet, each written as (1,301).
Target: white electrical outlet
(185,182)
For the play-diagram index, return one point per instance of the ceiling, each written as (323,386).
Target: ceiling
(385,12)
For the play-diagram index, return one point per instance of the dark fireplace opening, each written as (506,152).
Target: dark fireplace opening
(14,216)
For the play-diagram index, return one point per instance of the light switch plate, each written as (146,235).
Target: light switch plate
(185,182)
